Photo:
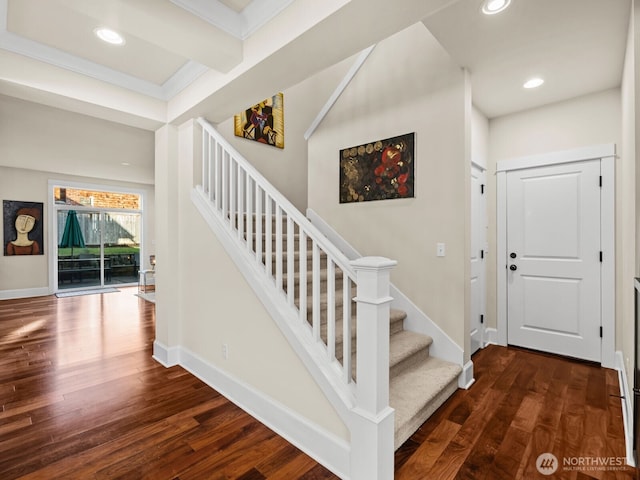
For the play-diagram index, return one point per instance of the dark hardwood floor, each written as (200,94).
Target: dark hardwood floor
(523,404)
(83,399)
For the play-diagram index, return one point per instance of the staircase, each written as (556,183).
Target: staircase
(418,382)
(336,313)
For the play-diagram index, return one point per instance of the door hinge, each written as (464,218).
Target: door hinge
(482,189)
(600,332)
(600,256)
(481,253)
(481,319)
(600,182)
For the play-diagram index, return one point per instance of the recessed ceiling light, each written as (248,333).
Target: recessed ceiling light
(533,83)
(109,36)
(491,7)
(125,164)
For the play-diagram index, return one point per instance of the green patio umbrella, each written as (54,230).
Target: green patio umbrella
(72,235)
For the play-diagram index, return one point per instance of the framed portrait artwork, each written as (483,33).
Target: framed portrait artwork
(22,226)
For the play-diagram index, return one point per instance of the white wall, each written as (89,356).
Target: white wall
(286,168)
(587,120)
(408,84)
(38,137)
(38,144)
(479,138)
(579,122)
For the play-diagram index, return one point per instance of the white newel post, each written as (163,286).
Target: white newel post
(373,431)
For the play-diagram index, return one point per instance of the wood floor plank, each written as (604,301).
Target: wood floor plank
(425,457)
(285,463)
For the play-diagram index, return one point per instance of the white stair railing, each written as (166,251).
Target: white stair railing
(305,269)
(254,210)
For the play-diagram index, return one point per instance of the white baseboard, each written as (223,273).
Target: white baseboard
(166,356)
(465,379)
(490,336)
(324,447)
(627,407)
(443,346)
(24,293)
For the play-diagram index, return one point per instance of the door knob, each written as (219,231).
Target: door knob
(513,255)
(513,268)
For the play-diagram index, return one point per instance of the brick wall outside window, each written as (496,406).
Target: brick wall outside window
(91,198)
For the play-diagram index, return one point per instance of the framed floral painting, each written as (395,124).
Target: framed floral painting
(379,170)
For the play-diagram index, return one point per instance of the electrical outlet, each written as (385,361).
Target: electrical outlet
(225,351)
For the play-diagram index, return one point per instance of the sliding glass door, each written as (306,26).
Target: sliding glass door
(121,244)
(97,247)
(79,249)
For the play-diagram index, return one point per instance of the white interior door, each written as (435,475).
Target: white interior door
(478,242)
(553,250)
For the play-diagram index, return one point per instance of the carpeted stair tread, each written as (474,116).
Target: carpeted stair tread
(396,317)
(406,345)
(418,391)
(405,350)
(322,277)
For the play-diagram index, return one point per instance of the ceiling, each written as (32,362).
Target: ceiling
(169,43)
(577,46)
(188,57)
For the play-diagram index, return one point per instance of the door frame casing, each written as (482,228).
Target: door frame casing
(606,154)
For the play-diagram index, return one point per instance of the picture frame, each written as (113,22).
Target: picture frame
(23,228)
(262,122)
(378,170)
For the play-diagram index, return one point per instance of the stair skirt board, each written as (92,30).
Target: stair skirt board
(324,447)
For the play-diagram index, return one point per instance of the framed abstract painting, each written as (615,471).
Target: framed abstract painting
(379,170)
(262,122)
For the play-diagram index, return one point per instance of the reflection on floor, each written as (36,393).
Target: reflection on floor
(92,291)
